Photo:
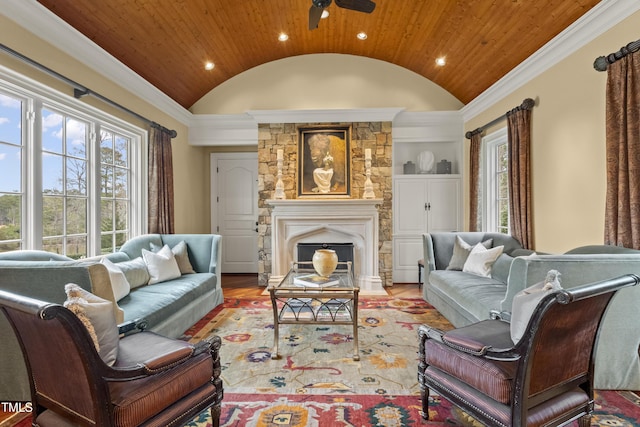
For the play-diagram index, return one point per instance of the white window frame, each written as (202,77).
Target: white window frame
(35,95)
(490,144)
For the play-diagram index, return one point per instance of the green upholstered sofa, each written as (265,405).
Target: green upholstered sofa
(464,298)
(169,307)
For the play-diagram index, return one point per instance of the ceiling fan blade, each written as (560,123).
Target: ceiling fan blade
(366,6)
(315,13)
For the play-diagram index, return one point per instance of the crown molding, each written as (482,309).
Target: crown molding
(38,20)
(594,23)
(223,129)
(325,116)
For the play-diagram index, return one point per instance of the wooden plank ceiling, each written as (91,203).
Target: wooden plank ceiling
(167,42)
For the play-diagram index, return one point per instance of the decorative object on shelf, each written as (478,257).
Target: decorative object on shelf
(426,160)
(409,168)
(324,261)
(280,195)
(444,166)
(368,185)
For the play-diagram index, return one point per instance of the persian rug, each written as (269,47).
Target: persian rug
(316,382)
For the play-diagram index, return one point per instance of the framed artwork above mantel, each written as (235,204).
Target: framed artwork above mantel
(324,161)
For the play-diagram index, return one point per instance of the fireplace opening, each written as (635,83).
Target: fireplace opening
(343,250)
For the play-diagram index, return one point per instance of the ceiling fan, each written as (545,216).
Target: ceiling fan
(318,6)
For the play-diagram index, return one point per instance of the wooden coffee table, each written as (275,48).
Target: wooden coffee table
(315,305)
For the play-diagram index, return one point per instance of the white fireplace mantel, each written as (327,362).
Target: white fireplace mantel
(354,221)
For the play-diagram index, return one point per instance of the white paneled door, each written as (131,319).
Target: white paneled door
(234,209)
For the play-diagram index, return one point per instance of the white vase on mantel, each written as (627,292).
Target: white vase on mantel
(324,261)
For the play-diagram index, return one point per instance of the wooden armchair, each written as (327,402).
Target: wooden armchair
(546,378)
(155,381)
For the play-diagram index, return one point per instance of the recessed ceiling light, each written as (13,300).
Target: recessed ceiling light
(283,37)
(325,14)
(362,35)
(209,65)
(440,61)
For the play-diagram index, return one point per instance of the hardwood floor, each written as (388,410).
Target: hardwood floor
(246,286)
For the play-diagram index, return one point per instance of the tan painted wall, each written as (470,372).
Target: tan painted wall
(191,190)
(568,143)
(325,81)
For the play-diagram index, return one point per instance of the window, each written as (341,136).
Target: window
(496,182)
(70,174)
(11,171)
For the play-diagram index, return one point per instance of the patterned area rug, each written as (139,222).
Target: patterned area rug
(317,359)
(317,383)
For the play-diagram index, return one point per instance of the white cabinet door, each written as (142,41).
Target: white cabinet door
(443,205)
(409,213)
(421,204)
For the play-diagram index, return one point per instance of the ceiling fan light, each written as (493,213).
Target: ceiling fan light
(325,14)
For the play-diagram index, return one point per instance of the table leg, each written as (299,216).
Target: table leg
(356,347)
(276,326)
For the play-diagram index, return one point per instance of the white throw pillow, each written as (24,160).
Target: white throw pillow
(96,314)
(119,282)
(162,265)
(461,250)
(182,256)
(481,260)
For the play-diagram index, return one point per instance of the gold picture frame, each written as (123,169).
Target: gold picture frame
(324,162)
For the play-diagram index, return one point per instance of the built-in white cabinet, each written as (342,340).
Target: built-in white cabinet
(429,199)
(421,204)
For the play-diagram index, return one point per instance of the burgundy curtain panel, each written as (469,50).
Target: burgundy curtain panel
(622,211)
(474,181)
(161,216)
(519,140)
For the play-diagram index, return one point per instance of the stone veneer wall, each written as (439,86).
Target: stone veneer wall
(373,135)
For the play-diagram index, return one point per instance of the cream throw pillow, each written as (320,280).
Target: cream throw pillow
(526,302)
(182,256)
(481,260)
(461,250)
(119,282)
(96,314)
(162,266)
(135,271)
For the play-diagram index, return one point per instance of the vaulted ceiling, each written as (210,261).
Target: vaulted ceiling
(168,42)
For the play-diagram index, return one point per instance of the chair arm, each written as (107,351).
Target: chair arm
(484,338)
(133,326)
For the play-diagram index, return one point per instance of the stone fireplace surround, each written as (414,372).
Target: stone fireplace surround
(354,221)
(276,132)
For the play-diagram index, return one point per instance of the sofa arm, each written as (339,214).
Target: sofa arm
(575,270)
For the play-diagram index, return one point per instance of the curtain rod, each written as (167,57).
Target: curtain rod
(80,91)
(527,104)
(602,62)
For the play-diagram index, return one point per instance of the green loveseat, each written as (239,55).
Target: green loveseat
(464,298)
(169,307)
